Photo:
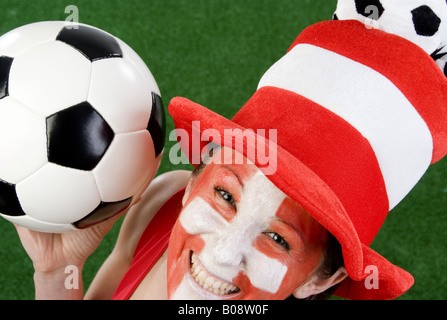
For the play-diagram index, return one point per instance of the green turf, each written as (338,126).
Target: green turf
(214,52)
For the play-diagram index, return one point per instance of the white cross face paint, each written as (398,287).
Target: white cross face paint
(227,244)
(230,241)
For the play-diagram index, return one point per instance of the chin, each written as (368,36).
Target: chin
(199,283)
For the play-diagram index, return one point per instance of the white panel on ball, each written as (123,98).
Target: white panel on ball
(50,77)
(120,94)
(58,194)
(22,141)
(34,224)
(26,37)
(130,55)
(126,166)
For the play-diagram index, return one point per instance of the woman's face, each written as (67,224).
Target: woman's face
(240,237)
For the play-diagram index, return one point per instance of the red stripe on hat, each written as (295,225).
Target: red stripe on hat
(330,147)
(410,68)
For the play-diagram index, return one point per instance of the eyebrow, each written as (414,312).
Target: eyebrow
(297,229)
(235,174)
(287,217)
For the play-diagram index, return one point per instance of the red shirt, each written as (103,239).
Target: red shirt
(153,243)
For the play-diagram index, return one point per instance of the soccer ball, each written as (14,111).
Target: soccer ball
(423,22)
(82,126)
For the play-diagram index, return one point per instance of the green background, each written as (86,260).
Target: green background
(214,52)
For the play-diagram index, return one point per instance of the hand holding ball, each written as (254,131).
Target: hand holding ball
(81,126)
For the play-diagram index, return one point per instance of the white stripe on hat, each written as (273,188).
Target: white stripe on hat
(368,101)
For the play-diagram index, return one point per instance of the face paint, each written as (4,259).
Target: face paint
(229,242)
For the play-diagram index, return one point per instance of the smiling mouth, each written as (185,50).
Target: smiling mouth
(208,281)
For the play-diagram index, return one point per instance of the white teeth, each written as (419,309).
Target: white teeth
(209,282)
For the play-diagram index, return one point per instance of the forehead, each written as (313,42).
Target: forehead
(227,162)
(232,161)
(248,185)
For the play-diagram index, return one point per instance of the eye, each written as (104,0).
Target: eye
(278,239)
(226,196)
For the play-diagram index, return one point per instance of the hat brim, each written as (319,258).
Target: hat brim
(306,188)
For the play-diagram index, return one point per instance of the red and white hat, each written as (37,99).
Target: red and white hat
(360,115)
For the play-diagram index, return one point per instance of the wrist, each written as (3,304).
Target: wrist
(59,284)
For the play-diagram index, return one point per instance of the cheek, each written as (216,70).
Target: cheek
(264,274)
(276,275)
(299,273)
(180,245)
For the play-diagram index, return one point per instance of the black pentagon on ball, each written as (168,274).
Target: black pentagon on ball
(372,9)
(5,67)
(9,202)
(437,54)
(78,137)
(93,43)
(157,124)
(426,22)
(103,212)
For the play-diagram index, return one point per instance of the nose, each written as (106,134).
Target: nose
(230,250)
